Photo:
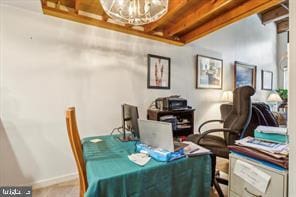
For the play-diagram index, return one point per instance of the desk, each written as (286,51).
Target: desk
(110,173)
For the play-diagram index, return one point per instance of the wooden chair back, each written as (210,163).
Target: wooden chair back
(75,142)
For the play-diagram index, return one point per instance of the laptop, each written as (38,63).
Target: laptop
(158,134)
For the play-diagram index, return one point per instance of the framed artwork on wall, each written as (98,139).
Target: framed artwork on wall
(267,80)
(244,75)
(209,72)
(159,71)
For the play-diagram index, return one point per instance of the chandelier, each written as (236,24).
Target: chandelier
(135,12)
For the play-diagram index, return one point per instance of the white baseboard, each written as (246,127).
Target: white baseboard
(54,181)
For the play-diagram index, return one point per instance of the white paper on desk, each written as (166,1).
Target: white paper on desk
(95,140)
(194,150)
(252,175)
(139,158)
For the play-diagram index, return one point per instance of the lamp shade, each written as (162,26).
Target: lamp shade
(274,97)
(227,96)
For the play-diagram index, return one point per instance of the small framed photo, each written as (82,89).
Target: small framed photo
(159,71)
(244,75)
(209,72)
(267,80)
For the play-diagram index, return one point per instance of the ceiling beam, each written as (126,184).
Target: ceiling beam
(77,3)
(283,26)
(246,9)
(275,14)
(174,7)
(202,12)
(91,6)
(100,23)
(285,6)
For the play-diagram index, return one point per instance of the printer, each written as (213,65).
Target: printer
(171,103)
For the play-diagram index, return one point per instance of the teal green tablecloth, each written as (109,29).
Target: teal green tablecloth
(111,173)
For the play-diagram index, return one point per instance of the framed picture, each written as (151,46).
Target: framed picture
(267,80)
(159,71)
(209,72)
(244,75)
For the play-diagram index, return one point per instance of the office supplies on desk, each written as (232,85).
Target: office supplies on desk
(139,158)
(194,150)
(158,135)
(160,154)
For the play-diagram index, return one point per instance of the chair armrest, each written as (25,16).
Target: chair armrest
(207,122)
(227,130)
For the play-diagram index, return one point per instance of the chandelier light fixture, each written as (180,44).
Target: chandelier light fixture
(135,12)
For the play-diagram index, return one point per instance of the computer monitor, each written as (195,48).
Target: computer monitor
(130,117)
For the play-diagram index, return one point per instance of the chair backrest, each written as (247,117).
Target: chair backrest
(261,115)
(239,117)
(75,142)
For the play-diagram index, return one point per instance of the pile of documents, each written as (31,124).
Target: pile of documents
(273,134)
(194,150)
(269,152)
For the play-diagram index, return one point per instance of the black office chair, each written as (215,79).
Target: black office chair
(234,125)
(261,115)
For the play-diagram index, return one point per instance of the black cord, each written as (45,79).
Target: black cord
(118,130)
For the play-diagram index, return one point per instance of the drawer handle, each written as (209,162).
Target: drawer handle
(246,189)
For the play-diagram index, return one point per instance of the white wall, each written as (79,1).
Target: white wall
(292,99)
(282,49)
(48,64)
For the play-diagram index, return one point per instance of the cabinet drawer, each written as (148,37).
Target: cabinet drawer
(276,187)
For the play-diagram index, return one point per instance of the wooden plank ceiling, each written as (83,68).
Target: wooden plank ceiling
(278,14)
(186,20)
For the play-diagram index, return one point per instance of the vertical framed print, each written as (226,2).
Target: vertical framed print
(209,72)
(267,80)
(159,72)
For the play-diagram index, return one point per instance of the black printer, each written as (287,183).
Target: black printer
(171,103)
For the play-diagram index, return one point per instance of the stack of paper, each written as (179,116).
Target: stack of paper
(193,149)
(271,147)
(274,130)
(273,134)
(271,152)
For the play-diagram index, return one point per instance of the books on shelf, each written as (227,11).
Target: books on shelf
(167,117)
(183,126)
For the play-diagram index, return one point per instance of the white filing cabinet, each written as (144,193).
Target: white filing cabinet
(238,187)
